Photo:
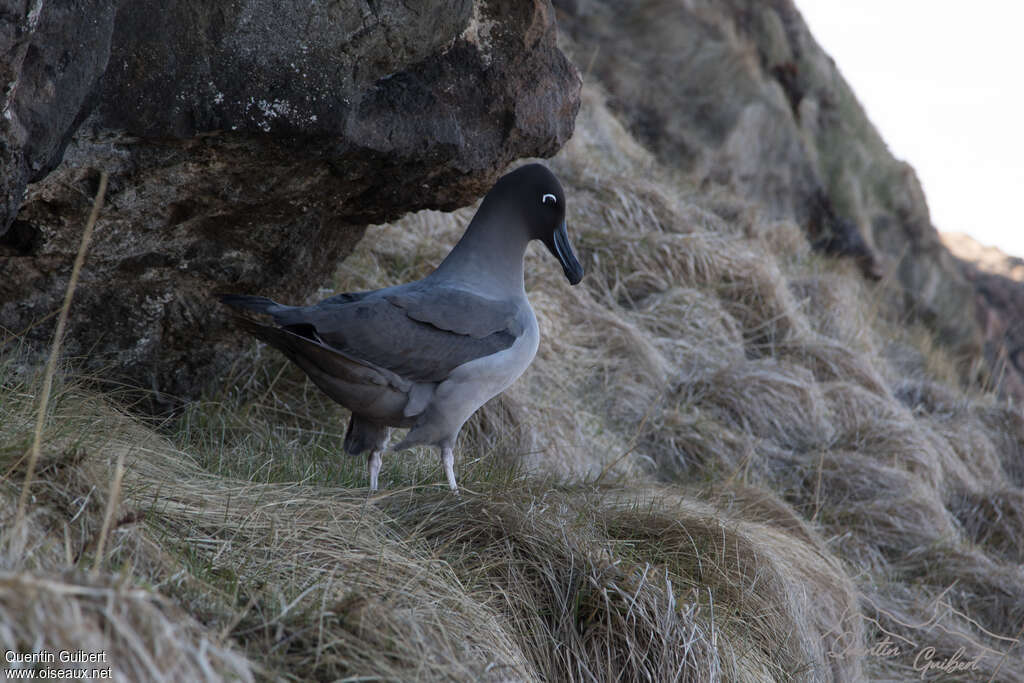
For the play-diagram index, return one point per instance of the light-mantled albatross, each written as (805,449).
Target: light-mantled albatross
(427,354)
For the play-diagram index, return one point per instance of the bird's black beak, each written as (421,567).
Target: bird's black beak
(558,245)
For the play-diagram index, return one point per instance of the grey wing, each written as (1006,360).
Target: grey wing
(420,336)
(459,311)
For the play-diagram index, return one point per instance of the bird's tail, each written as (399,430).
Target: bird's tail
(256,304)
(294,346)
(274,336)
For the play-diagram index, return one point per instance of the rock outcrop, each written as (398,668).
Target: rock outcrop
(51,58)
(738,93)
(249,144)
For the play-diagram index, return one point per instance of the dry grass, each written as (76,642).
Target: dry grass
(143,635)
(729,461)
(518,579)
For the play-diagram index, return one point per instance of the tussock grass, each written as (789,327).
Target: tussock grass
(518,578)
(142,635)
(730,460)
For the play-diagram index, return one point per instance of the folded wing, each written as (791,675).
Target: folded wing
(420,334)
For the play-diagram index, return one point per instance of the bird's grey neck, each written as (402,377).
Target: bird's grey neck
(489,256)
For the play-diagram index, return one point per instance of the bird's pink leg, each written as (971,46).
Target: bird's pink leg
(448,457)
(373,463)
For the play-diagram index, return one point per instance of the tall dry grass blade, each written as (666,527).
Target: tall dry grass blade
(58,336)
(108,515)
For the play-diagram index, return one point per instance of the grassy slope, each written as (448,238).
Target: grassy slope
(726,462)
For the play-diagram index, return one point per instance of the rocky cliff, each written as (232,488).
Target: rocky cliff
(251,143)
(248,146)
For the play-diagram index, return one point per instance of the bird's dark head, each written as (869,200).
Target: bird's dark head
(537,196)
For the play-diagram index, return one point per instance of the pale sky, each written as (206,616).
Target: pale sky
(943,81)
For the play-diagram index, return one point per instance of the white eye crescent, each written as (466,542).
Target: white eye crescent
(549,198)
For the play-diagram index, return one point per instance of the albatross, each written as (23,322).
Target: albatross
(427,354)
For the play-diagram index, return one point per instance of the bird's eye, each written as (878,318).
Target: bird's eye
(549,199)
